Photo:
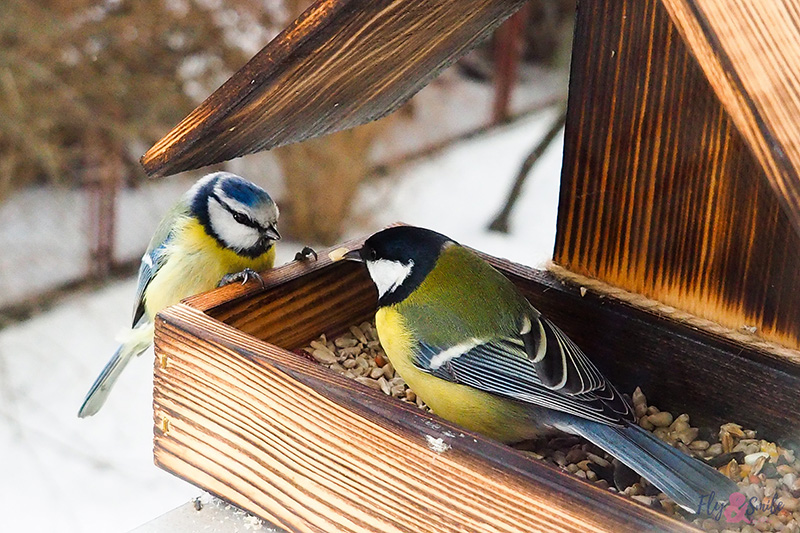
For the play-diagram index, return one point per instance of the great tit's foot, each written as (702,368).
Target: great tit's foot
(305,254)
(244,276)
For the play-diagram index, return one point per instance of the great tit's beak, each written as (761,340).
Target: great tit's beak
(354,255)
(272,232)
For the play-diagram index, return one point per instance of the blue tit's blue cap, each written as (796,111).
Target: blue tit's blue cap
(243,191)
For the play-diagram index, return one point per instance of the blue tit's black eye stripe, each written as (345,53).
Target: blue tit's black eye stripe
(201,209)
(243,219)
(238,216)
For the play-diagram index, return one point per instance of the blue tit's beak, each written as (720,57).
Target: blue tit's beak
(354,255)
(272,233)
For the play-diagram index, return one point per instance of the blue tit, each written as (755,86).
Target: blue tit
(223,228)
(476,351)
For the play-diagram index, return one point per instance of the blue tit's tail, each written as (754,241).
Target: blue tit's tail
(134,342)
(688,481)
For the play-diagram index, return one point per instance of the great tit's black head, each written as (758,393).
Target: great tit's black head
(237,213)
(398,260)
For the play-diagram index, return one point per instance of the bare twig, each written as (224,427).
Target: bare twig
(500,222)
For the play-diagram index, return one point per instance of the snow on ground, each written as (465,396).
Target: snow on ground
(97,475)
(93,475)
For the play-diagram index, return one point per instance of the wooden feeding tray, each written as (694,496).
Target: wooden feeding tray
(240,415)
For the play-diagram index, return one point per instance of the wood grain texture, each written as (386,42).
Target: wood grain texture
(661,194)
(679,367)
(340,64)
(750,53)
(312,451)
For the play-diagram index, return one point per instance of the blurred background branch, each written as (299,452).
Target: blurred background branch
(74,73)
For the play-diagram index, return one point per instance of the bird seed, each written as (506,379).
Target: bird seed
(762,469)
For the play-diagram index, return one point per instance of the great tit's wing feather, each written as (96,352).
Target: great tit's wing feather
(155,256)
(561,365)
(503,367)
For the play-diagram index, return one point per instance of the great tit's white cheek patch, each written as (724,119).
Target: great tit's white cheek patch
(388,275)
(233,234)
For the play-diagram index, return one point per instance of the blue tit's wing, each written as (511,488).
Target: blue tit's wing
(156,254)
(541,366)
(152,261)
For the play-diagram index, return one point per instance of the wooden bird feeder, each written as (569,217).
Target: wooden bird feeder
(679,210)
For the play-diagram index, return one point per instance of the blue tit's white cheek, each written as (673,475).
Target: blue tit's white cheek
(388,275)
(233,234)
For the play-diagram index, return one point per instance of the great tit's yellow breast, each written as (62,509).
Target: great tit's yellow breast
(473,409)
(195,264)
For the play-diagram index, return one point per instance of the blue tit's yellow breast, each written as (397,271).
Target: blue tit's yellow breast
(195,264)
(475,410)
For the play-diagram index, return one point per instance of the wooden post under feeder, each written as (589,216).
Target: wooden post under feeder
(679,182)
(104,169)
(509,41)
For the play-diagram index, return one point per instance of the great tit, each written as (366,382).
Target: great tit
(223,229)
(479,354)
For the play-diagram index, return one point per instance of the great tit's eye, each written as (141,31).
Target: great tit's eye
(373,254)
(241,218)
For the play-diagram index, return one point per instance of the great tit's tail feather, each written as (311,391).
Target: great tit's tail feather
(133,343)
(688,481)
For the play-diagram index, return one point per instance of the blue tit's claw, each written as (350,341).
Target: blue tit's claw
(305,254)
(244,276)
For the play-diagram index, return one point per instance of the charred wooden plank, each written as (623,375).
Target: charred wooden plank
(340,64)
(661,193)
(750,54)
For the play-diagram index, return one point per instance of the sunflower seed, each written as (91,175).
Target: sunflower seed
(660,420)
